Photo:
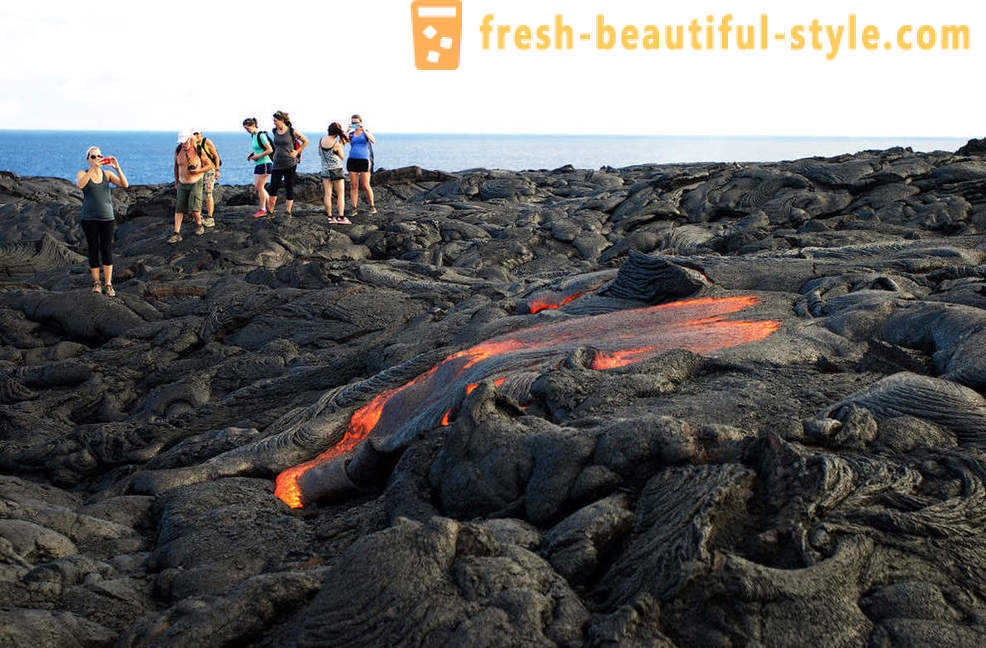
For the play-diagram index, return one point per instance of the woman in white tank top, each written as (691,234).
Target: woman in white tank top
(330,151)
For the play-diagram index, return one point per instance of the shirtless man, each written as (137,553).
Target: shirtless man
(189,171)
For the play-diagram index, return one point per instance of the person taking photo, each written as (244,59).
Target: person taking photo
(97,217)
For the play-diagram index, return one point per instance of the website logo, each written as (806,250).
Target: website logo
(437,26)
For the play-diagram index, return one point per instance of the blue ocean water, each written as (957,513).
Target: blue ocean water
(146,156)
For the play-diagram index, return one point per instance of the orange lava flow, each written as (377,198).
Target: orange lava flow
(471,386)
(361,423)
(620,338)
(604,360)
(538,305)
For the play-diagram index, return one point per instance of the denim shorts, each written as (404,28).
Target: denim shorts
(263,169)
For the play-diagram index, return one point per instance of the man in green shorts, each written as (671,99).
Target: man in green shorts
(189,171)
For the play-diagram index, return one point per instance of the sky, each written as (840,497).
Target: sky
(164,66)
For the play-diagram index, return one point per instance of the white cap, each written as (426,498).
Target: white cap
(183,135)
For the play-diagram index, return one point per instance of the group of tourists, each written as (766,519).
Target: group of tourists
(276,156)
(197,165)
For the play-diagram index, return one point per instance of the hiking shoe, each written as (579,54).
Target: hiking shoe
(259,213)
(174,238)
(209,222)
(344,221)
(96,288)
(200,230)
(333,220)
(373,210)
(109,291)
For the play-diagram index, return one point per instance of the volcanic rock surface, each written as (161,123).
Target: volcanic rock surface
(662,405)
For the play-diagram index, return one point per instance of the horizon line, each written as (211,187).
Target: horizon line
(500,134)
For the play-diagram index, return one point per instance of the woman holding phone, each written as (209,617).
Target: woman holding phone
(263,148)
(359,165)
(97,218)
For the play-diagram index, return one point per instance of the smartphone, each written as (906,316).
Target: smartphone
(107,160)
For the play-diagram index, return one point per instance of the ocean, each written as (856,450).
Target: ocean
(146,156)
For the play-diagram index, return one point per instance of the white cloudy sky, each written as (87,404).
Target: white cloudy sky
(154,65)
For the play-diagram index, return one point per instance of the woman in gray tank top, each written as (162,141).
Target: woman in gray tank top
(286,158)
(97,219)
(330,151)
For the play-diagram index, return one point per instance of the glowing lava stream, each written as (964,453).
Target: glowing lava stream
(537,305)
(620,338)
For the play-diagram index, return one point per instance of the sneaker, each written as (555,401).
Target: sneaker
(174,238)
(109,291)
(209,222)
(373,210)
(344,221)
(333,220)
(259,213)
(200,230)
(96,288)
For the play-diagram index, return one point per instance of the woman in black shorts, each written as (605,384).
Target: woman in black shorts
(359,165)
(288,145)
(262,149)
(330,150)
(97,218)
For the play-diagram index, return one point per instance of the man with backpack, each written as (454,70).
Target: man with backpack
(207,149)
(190,167)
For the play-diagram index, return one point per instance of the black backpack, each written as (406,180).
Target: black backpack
(270,140)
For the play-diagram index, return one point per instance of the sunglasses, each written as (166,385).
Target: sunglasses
(94,157)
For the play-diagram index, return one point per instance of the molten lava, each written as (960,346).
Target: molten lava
(361,423)
(622,358)
(619,339)
(538,305)
(472,386)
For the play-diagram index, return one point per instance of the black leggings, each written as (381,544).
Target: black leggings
(275,182)
(99,236)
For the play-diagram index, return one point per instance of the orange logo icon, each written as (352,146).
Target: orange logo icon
(437,26)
